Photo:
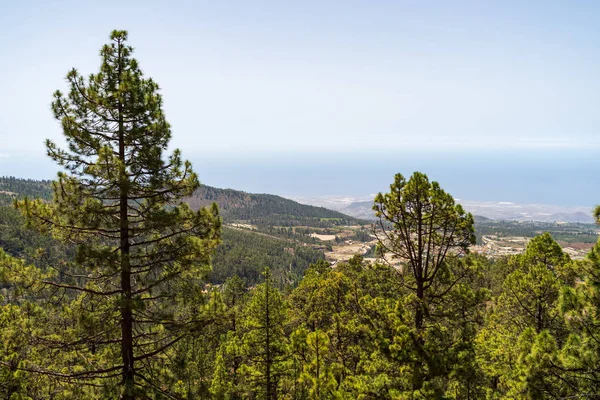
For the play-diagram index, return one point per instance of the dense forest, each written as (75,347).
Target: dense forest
(266,209)
(118,286)
(519,327)
(12,188)
(240,253)
(246,254)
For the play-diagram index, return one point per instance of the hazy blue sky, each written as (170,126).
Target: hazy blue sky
(241,78)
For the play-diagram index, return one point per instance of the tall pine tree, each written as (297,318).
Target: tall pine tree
(140,249)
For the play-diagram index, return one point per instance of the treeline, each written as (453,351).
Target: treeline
(262,210)
(449,325)
(12,188)
(267,209)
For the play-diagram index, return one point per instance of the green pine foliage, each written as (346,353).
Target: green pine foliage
(422,232)
(246,254)
(107,290)
(580,307)
(264,345)
(527,312)
(140,250)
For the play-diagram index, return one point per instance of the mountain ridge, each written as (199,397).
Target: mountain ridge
(234,205)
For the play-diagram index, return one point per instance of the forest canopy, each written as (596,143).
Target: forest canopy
(123,279)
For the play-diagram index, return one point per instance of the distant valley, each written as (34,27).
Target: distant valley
(361,207)
(288,234)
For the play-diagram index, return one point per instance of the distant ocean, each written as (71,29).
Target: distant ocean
(565,178)
(559,177)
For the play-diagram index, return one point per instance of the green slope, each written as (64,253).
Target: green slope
(11,188)
(267,209)
(246,254)
(235,206)
(243,252)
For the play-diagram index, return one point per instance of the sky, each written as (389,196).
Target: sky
(274,79)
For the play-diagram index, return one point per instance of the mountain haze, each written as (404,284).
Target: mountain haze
(496,210)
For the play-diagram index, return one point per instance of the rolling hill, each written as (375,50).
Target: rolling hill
(260,230)
(234,205)
(11,188)
(267,209)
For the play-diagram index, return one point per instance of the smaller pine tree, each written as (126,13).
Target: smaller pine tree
(264,343)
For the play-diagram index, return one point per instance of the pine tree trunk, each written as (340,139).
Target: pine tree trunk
(418,368)
(268,345)
(421,272)
(318,391)
(540,316)
(126,312)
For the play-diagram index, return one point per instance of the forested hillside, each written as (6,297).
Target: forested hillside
(243,252)
(115,287)
(274,242)
(522,326)
(267,209)
(235,206)
(12,188)
(246,254)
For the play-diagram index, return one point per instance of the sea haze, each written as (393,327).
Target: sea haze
(564,178)
(557,177)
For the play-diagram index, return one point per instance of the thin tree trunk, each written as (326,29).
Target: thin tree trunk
(421,272)
(420,343)
(318,369)
(268,343)
(540,318)
(126,312)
